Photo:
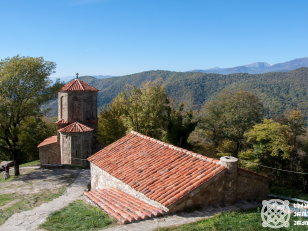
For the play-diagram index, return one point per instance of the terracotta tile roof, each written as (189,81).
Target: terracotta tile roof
(122,206)
(49,140)
(62,121)
(252,172)
(160,171)
(76,127)
(77,85)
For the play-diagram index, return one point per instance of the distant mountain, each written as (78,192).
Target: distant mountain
(259,67)
(69,78)
(279,91)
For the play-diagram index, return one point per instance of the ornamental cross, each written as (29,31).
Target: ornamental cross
(77,75)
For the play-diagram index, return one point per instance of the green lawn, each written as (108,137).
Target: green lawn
(32,163)
(78,216)
(23,202)
(248,220)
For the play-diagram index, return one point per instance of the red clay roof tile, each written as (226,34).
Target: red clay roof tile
(77,85)
(160,171)
(49,140)
(76,127)
(122,206)
(62,121)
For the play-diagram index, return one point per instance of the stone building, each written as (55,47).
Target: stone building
(76,126)
(138,177)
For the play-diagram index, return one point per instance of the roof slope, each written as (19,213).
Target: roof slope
(49,140)
(160,171)
(122,206)
(77,85)
(76,127)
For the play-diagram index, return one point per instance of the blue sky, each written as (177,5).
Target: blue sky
(118,37)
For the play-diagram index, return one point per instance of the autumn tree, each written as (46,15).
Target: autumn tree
(226,119)
(24,88)
(145,109)
(111,125)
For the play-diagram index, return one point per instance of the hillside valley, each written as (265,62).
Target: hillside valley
(279,91)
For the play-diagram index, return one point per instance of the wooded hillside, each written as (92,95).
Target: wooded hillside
(279,91)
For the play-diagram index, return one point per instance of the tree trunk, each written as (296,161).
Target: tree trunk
(16,162)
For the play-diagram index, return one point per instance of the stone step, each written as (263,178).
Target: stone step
(122,206)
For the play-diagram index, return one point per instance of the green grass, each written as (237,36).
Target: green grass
(246,220)
(77,216)
(283,191)
(32,163)
(26,201)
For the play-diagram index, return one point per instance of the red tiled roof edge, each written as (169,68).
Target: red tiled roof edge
(76,127)
(252,172)
(177,148)
(78,85)
(61,121)
(47,141)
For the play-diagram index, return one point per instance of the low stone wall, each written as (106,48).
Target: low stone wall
(251,186)
(50,154)
(100,179)
(211,192)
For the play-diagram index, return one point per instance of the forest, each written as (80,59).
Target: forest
(279,91)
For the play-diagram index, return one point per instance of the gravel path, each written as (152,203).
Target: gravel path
(30,220)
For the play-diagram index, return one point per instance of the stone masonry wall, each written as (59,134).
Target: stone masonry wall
(211,192)
(251,186)
(62,106)
(82,106)
(50,154)
(76,148)
(100,179)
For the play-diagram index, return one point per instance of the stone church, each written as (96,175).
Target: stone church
(76,126)
(138,177)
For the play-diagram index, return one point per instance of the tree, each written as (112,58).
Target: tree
(270,141)
(24,88)
(180,125)
(111,125)
(145,109)
(226,119)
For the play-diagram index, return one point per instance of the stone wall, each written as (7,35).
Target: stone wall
(82,106)
(211,192)
(251,186)
(100,179)
(76,148)
(50,154)
(63,105)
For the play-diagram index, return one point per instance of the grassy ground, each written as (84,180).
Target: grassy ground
(12,175)
(32,163)
(23,202)
(246,220)
(283,191)
(77,216)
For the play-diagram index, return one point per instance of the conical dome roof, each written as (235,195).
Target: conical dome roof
(77,85)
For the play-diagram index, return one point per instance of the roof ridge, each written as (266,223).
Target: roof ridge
(177,148)
(82,87)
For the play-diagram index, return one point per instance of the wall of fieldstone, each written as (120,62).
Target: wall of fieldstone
(251,186)
(100,179)
(50,154)
(211,192)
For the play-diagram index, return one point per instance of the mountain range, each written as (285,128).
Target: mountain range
(259,67)
(279,91)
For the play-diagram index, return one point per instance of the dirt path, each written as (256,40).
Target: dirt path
(30,220)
